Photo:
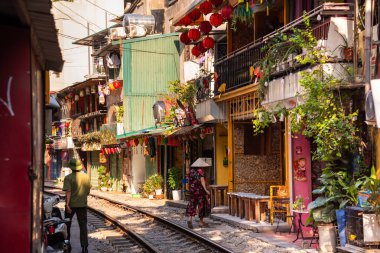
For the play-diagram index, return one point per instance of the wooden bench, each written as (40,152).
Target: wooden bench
(247,205)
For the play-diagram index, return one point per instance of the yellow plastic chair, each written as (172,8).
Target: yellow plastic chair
(279,202)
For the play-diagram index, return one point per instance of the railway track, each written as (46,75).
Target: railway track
(154,233)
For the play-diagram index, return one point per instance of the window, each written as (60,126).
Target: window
(257,144)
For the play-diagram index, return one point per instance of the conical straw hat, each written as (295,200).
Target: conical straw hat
(200,162)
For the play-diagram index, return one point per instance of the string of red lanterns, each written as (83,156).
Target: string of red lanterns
(205,27)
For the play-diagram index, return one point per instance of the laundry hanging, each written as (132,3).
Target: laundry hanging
(113,60)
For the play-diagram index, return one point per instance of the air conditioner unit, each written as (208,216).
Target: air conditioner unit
(117,33)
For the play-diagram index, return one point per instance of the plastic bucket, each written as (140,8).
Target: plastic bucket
(327,242)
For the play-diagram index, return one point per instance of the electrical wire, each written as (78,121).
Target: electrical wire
(76,13)
(67,36)
(101,8)
(72,19)
(71,47)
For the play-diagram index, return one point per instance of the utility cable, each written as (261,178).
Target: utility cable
(101,8)
(71,18)
(67,36)
(76,13)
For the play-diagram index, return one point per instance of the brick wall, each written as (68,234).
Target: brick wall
(252,171)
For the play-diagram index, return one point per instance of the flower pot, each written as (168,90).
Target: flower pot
(341,220)
(327,242)
(151,196)
(103,189)
(176,194)
(348,53)
(158,191)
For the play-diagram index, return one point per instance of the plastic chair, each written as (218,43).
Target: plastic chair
(279,202)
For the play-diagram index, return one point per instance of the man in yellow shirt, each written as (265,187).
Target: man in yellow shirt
(77,186)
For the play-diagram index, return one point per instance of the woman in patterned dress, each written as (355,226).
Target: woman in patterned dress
(198,194)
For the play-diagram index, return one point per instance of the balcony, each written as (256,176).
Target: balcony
(234,69)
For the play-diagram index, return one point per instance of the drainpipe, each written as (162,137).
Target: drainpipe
(367,44)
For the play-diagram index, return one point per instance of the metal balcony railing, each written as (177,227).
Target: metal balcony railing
(233,70)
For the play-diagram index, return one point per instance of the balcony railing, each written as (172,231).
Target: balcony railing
(234,69)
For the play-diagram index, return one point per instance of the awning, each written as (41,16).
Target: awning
(183,130)
(36,15)
(151,131)
(96,37)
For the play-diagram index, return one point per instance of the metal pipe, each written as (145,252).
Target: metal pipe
(367,44)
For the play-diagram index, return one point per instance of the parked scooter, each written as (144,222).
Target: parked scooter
(54,227)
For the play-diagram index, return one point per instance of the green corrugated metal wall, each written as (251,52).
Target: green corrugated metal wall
(149,64)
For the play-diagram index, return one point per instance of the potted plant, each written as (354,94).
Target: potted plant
(148,188)
(174,181)
(157,182)
(346,51)
(299,204)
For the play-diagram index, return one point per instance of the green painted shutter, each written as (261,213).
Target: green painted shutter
(95,164)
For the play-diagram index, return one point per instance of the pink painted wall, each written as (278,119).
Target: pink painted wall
(302,172)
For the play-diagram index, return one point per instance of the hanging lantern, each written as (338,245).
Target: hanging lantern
(205,7)
(205,26)
(111,87)
(208,43)
(227,12)
(216,19)
(194,34)
(186,21)
(201,48)
(184,38)
(216,3)
(195,51)
(102,150)
(81,93)
(116,84)
(136,142)
(146,141)
(67,124)
(195,15)
(87,91)
(113,150)
(76,98)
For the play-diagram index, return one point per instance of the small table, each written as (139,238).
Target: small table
(218,195)
(300,225)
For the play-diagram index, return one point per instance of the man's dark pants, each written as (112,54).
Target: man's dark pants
(82,221)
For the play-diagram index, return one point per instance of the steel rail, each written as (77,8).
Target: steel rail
(169,223)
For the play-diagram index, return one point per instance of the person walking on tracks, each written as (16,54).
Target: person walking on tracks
(77,187)
(198,194)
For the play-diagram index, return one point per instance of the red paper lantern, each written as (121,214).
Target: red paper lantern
(116,84)
(195,51)
(205,7)
(208,42)
(112,150)
(186,21)
(205,27)
(201,48)
(227,12)
(195,14)
(216,19)
(194,34)
(216,3)
(136,142)
(184,38)
(103,151)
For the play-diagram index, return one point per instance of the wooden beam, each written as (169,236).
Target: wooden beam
(235,93)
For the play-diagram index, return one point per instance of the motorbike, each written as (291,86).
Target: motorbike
(54,227)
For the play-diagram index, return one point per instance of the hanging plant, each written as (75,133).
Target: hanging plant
(243,13)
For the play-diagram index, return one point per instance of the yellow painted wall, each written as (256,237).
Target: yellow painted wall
(220,149)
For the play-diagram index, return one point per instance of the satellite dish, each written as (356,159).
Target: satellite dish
(369,107)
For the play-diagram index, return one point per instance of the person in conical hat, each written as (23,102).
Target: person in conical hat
(198,193)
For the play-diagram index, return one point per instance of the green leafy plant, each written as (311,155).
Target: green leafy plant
(103,177)
(148,187)
(299,204)
(120,113)
(174,178)
(157,181)
(372,184)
